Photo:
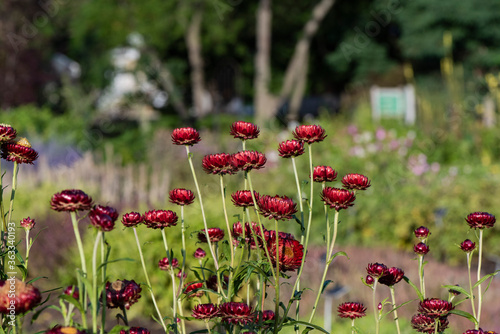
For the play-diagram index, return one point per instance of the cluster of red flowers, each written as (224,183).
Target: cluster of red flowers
(422,233)
(385,275)
(231,312)
(432,311)
(19,151)
(122,293)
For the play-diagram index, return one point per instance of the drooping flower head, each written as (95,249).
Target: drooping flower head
(205,311)
(220,163)
(20,152)
(7,133)
(181,196)
(72,291)
(424,324)
(291,252)
(71,200)
(244,130)
(122,293)
(309,133)
(192,289)
(27,223)
(236,313)
(136,330)
(199,253)
(160,219)
(276,207)
(164,264)
(18,296)
(103,217)
(324,174)
(337,199)
(377,270)
(185,136)
(421,248)
(243,198)
(355,181)
(248,160)
(394,275)
(215,234)
(435,307)
(132,219)
(351,310)
(64,330)
(480,220)
(291,148)
(422,232)
(467,246)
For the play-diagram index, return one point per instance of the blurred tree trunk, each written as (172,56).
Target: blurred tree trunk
(294,84)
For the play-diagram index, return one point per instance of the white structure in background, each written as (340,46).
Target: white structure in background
(396,102)
(64,65)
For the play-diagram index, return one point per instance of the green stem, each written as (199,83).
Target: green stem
(277,281)
(421,274)
(172,275)
(396,319)
(352,326)
(104,273)
(471,291)
(28,248)
(94,297)
(436,325)
(81,286)
(148,282)
(183,251)
(376,312)
(231,245)
(13,191)
(479,292)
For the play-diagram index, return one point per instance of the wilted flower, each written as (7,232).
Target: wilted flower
(199,253)
(355,181)
(425,324)
(164,264)
(243,198)
(181,196)
(7,133)
(248,160)
(192,289)
(480,220)
(185,136)
(244,130)
(215,234)
(421,248)
(324,174)
(20,152)
(291,148)
(205,311)
(337,199)
(279,208)
(72,291)
(136,330)
(64,330)
(351,310)
(27,223)
(122,293)
(236,313)
(103,217)
(18,296)
(71,200)
(377,270)
(160,219)
(421,232)
(435,307)
(394,275)
(467,246)
(220,163)
(309,133)
(132,219)
(290,253)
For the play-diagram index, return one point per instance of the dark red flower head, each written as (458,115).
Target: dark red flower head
(467,246)
(212,283)
(243,198)
(244,130)
(72,291)
(435,307)
(369,280)
(71,200)
(220,163)
(394,275)
(236,313)
(337,199)
(132,219)
(309,133)
(351,310)
(7,133)
(27,223)
(237,232)
(160,219)
(248,160)
(18,296)
(279,208)
(291,148)
(122,293)
(425,324)
(422,232)
(324,174)
(199,253)
(64,330)
(421,248)
(377,270)
(480,220)
(136,330)
(20,152)
(181,196)
(478,331)
(185,136)
(103,217)
(268,315)
(290,253)
(355,181)
(193,289)
(164,264)
(205,311)
(215,234)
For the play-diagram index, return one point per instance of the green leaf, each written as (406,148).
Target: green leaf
(339,253)
(484,278)
(31,281)
(399,306)
(419,294)
(117,260)
(327,282)
(457,288)
(464,314)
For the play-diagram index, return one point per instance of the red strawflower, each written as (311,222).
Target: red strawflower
(478,331)
(132,219)
(355,181)
(164,264)
(199,253)
(181,196)
(18,296)
(136,330)
(193,289)
(394,275)
(111,212)
(122,293)
(185,136)
(20,152)
(237,232)
(279,208)
(268,315)
(337,199)
(27,223)
(421,248)
(181,274)
(291,148)
(377,270)
(290,253)
(100,218)
(422,232)
(64,330)
(480,220)
(351,310)
(71,200)
(220,163)
(369,280)
(7,133)
(205,311)
(425,324)
(72,291)
(467,246)
(324,174)
(309,133)
(243,198)
(160,219)
(215,234)
(248,160)
(244,130)
(236,313)
(435,307)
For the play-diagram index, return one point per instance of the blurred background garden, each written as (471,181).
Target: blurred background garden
(97,87)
